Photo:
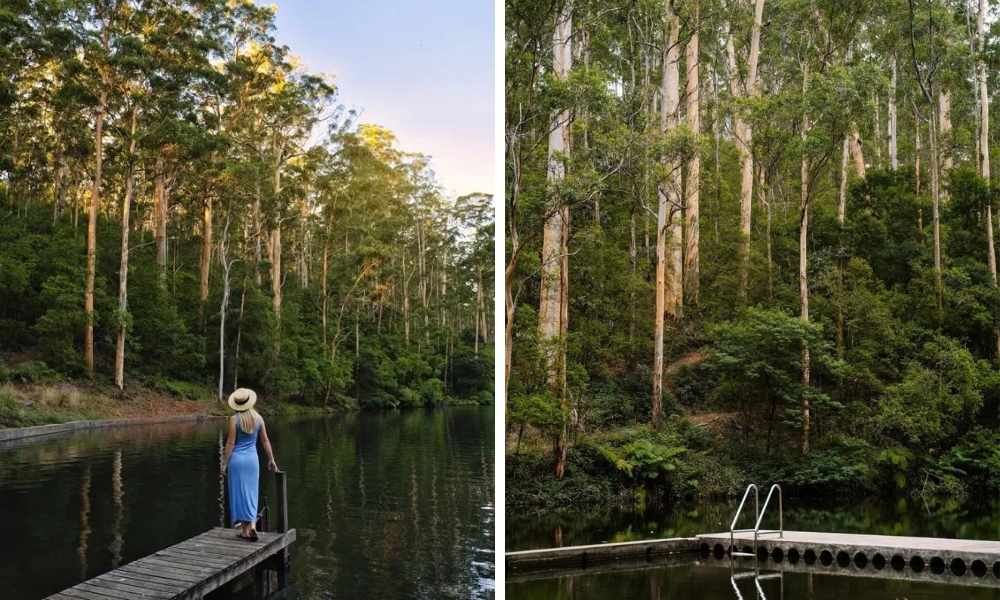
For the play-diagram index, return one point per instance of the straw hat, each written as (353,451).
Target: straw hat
(242,399)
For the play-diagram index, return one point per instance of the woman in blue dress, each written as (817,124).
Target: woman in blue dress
(240,463)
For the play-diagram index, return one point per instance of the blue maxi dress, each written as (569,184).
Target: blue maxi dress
(243,474)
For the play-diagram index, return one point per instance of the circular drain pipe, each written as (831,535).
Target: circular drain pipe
(958,567)
(937,565)
(979,568)
(878,561)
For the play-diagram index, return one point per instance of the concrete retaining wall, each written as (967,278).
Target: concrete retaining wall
(581,556)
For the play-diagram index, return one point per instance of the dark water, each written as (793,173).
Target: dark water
(387,505)
(711,579)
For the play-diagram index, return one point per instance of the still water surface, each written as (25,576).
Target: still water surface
(386,505)
(710,579)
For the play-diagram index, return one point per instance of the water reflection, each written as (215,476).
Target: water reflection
(116,495)
(84,522)
(694,579)
(386,506)
(962,518)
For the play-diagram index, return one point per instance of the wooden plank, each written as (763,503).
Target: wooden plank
(109,591)
(189,569)
(218,551)
(121,578)
(136,588)
(211,550)
(83,594)
(198,558)
(181,578)
(156,583)
(229,536)
(234,545)
(154,560)
(242,566)
(238,548)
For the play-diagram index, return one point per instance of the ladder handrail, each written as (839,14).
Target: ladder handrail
(760,517)
(756,501)
(781,518)
(740,509)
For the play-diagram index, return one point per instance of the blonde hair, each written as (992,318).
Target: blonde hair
(247,420)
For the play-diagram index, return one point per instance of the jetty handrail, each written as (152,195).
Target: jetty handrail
(781,519)
(732,528)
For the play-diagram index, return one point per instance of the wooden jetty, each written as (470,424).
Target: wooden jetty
(195,566)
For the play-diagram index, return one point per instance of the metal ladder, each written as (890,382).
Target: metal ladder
(759,514)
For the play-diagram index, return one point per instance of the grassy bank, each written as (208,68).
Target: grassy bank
(33,400)
(31,404)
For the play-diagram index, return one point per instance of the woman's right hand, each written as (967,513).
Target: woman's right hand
(224,469)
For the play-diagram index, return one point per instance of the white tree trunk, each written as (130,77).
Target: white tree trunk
(276,252)
(667,296)
(123,269)
(893,159)
(692,205)
(95,200)
(803,267)
(857,152)
(944,100)
(206,248)
(160,216)
(742,135)
(550,311)
(226,265)
(916,157)
(670,119)
(842,199)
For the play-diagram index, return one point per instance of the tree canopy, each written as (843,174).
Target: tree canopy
(182,201)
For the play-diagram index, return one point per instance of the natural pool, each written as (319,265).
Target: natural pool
(386,505)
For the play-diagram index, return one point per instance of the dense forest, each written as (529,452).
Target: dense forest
(750,241)
(185,207)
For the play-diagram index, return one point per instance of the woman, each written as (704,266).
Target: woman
(241,455)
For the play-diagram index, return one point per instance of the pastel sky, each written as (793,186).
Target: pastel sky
(423,69)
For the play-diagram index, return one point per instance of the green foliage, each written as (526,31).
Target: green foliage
(182,389)
(902,381)
(839,465)
(60,328)
(757,362)
(13,413)
(30,372)
(640,454)
(934,398)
